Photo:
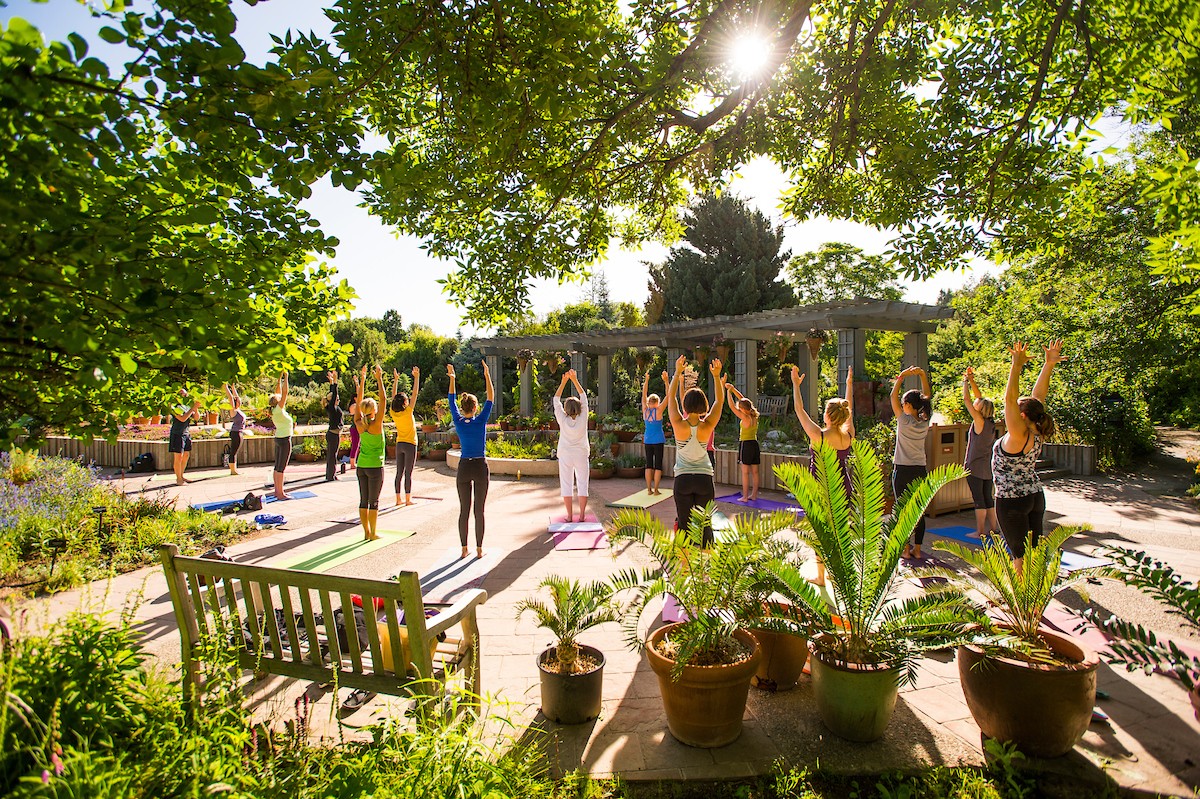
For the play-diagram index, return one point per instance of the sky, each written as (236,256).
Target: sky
(391,271)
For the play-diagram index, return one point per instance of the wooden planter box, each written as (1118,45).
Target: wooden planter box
(205,452)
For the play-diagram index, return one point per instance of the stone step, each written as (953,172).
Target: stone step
(1045,463)
(1051,474)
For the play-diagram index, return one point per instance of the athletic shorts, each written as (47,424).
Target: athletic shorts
(283,452)
(748,453)
(983,492)
(654,456)
(181,443)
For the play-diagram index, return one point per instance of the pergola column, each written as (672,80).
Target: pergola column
(527,390)
(579,364)
(603,384)
(810,393)
(494,365)
(916,353)
(852,351)
(745,367)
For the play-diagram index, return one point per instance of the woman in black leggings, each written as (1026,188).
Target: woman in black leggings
(470,422)
(912,427)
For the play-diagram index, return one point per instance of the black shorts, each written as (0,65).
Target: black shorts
(654,456)
(179,444)
(283,452)
(983,492)
(748,453)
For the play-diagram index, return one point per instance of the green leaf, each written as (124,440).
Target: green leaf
(128,363)
(111,35)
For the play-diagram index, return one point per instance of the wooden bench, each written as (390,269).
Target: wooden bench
(774,406)
(240,602)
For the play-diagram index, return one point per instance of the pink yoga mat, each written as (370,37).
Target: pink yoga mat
(671,611)
(586,540)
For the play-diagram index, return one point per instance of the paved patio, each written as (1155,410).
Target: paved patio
(1152,742)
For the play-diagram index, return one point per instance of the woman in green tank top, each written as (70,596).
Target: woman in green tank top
(369,423)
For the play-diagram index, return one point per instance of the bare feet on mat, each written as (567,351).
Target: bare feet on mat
(465,553)
(479,552)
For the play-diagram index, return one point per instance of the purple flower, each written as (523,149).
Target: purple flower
(45,777)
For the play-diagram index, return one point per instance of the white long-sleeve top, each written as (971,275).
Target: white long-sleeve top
(573,433)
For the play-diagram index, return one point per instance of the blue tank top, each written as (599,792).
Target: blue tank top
(654,429)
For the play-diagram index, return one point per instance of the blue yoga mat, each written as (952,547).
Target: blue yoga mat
(959,532)
(269,498)
(760,504)
(220,504)
(1071,561)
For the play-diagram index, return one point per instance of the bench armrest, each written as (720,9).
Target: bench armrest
(455,613)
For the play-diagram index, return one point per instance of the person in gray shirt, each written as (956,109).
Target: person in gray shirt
(978,460)
(913,411)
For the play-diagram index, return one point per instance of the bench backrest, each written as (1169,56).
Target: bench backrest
(240,600)
(774,406)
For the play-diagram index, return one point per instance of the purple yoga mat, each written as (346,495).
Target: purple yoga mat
(577,540)
(671,611)
(761,504)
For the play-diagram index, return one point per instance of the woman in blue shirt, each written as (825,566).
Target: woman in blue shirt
(653,439)
(470,422)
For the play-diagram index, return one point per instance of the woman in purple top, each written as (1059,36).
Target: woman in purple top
(236,426)
(470,422)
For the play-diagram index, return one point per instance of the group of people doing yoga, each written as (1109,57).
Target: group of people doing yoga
(1002,476)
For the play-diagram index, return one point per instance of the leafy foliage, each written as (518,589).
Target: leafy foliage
(143,255)
(1136,647)
(574,608)
(861,549)
(838,271)
(720,589)
(730,264)
(1020,597)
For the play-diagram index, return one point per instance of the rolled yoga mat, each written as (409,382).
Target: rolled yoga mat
(642,499)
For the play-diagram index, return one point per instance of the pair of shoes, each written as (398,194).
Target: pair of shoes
(357,698)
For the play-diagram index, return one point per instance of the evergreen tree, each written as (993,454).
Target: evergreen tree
(729,264)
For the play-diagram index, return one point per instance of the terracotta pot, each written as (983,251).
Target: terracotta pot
(390,451)
(705,707)
(626,436)
(600,474)
(140,419)
(783,659)
(156,419)
(630,473)
(505,426)
(855,700)
(304,457)
(429,428)
(1043,710)
(572,698)
(437,454)
(212,417)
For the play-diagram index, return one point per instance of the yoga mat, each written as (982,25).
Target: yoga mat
(454,575)
(199,474)
(1060,618)
(641,499)
(335,553)
(576,527)
(592,539)
(220,504)
(1073,561)
(562,519)
(671,611)
(958,532)
(269,498)
(760,504)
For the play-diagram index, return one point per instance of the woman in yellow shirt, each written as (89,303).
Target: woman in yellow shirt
(406,433)
(748,451)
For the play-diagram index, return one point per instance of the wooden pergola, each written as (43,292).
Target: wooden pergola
(850,320)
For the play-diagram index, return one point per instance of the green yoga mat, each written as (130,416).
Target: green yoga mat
(641,499)
(336,553)
(198,474)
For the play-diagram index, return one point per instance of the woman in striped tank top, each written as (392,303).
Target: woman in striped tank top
(1020,501)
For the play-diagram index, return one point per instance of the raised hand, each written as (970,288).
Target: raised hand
(378,371)
(1020,352)
(666,378)
(714,366)
(970,373)
(416,372)
(797,377)
(680,362)
(1053,352)
(363,372)
(450,369)
(331,376)
(485,367)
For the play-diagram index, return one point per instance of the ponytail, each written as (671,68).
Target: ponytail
(1033,410)
(921,404)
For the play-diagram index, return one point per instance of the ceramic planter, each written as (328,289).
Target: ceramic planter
(705,707)
(855,700)
(1043,710)
(572,698)
(783,659)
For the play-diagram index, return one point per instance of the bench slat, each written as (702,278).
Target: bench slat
(399,667)
(198,603)
(289,620)
(310,626)
(253,606)
(231,605)
(269,617)
(352,632)
(368,604)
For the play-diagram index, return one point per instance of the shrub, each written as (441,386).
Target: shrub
(520,448)
(631,461)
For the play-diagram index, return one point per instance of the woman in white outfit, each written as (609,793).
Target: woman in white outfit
(574,451)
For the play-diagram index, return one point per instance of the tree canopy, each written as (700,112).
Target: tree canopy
(152,236)
(728,264)
(525,138)
(838,271)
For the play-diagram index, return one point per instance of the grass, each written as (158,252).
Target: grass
(52,538)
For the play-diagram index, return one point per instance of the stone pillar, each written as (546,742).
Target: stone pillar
(810,387)
(494,365)
(745,371)
(603,385)
(579,364)
(852,351)
(916,353)
(527,390)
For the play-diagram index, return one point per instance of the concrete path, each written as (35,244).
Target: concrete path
(1152,742)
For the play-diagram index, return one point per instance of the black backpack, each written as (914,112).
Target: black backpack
(143,463)
(252,502)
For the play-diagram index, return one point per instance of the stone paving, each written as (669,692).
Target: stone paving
(1152,742)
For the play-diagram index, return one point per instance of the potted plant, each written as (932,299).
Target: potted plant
(601,467)
(572,674)
(308,449)
(436,450)
(815,338)
(524,356)
(865,646)
(630,465)
(607,444)
(1023,683)
(429,426)
(704,664)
